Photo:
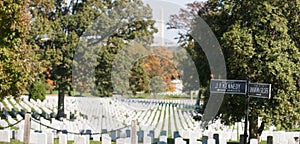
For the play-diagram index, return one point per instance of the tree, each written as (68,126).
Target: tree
(134,26)
(18,62)
(37,90)
(161,63)
(187,70)
(106,25)
(57,27)
(157,85)
(259,42)
(49,83)
(158,62)
(265,51)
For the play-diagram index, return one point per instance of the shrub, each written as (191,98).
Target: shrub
(37,90)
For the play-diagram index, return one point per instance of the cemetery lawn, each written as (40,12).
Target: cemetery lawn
(12,141)
(237,142)
(71,142)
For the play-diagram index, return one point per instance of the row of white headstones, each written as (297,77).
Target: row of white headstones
(156,117)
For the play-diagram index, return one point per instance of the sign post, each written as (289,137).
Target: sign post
(246,115)
(258,90)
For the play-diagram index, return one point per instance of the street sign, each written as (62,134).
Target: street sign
(259,90)
(228,86)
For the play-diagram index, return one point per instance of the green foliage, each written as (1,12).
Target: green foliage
(37,90)
(135,25)
(260,41)
(138,80)
(18,63)
(157,85)
(59,26)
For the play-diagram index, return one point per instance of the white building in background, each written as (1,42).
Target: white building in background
(178,86)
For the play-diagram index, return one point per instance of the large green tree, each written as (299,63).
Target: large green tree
(18,63)
(131,22)
(260,41)
(59,26)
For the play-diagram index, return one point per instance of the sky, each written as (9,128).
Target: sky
(166,8)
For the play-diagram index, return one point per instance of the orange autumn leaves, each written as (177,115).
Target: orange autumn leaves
(161,64)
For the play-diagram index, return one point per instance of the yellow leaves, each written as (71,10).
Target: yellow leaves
(161,64)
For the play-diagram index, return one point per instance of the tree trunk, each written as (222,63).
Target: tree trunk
(255,131)
(198,98)
(70,91)
(61,97)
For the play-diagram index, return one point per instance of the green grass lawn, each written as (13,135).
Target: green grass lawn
(170,141)
(12,141)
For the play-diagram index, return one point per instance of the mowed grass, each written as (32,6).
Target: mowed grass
(170,141)
(12,141)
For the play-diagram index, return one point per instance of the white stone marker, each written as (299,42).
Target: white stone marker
(120,141)
(163,139)
(50,138)
(180,141)
(106,139)
(63,139)
(147,140)
(96,138)
(222,140)
(211,141)
(4,135)
(253,141)
(38,138)
(80,140)
(20,135)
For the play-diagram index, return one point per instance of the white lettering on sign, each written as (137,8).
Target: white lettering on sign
(225,85)
(259,90)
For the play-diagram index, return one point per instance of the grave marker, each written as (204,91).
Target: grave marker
(4,135)
(26,139)
(62,139)
(106,139)
(133,132)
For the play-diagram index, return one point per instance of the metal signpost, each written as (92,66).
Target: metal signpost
(258,90)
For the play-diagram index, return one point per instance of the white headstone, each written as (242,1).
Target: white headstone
(163,139)
(106,139)
(222,140)
(180,141)
(279,137)
(71,137)
(234,136)
(147,140)
(120,141)
(20,135)
(4,135)
(50,138)
(63,139)
(96,138)
(38,138)
(80,140)
(253,141)
(211,141)
(3,123)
